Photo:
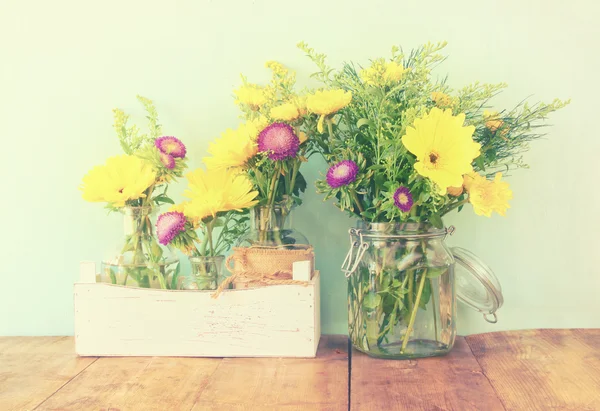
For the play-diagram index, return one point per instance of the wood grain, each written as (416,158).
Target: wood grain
(281,384)
(135,384)
(210,384)
(452,382)
(34,368)
(274,321)
(542,369)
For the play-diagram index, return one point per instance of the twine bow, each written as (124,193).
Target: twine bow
(237,265)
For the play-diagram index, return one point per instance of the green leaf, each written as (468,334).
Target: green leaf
(300,185)
(434,272)
(156,250)
(379,180)
(436,220)
(365,122)
(163,199)
(480,162)
(371,301)
(174,278)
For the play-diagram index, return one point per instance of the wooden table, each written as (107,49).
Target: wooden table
(517,370)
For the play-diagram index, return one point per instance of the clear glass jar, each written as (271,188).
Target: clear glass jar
(206,274)
(271,227)
(137,259)
(401,296)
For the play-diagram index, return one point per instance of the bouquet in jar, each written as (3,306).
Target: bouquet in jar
(135,184)
(405,152)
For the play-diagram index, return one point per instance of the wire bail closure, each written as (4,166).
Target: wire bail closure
(357,236)
(349,265)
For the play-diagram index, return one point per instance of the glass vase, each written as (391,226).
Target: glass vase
(401,295)
(271,227)
(206,273)
(138,260)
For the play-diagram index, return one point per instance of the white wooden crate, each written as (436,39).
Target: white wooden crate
(273,321)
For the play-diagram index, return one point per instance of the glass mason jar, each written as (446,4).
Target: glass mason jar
(401,296)
(138,260)
(271,227)
(206,274)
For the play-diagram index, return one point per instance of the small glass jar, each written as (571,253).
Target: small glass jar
(137,259)
(206,273)
(271,227)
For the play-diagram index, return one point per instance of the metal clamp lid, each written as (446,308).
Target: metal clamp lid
(476,284)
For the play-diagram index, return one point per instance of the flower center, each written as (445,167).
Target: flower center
(433,158)
(341,171)
(170,147)
(121,191)
(402,198)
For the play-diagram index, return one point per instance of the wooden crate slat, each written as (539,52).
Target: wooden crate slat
(273,321)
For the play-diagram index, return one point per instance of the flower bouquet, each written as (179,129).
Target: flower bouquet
(269,149)
(217,200)
(136,185)
(406,151)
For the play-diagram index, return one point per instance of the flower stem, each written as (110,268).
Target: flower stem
(209,229)
(434,310)
(273,186)
(357,201)
(455,205)
(413,314)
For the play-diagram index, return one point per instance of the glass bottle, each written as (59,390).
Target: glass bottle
(138,260)
(206,273)
(271,227)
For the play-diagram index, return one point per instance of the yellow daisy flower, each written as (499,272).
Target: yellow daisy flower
(487,196)
(327,102)
(251,95)
(235,147)
(393,72)
(214,191)
(441,99)
(285,112)
(444,147)
(300,102)
(492,122)
(121,179)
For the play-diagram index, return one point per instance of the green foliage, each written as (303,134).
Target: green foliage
(370,129)
(130,138)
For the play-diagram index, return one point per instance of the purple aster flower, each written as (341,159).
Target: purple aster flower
(170,145)
(167,160)
(169,225)
(279,140)
(342,173)
(403,199)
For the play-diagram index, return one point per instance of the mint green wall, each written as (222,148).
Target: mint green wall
(64,64)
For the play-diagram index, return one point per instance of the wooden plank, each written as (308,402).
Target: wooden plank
(452,382)
(140,383)
(542,369)
(210,384)
(34,368)
(274,321)
(281,384)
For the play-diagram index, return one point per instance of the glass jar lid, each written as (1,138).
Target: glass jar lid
(476,284)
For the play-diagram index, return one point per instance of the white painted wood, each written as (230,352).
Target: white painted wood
(301,270)
(87,272)
(272,321)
